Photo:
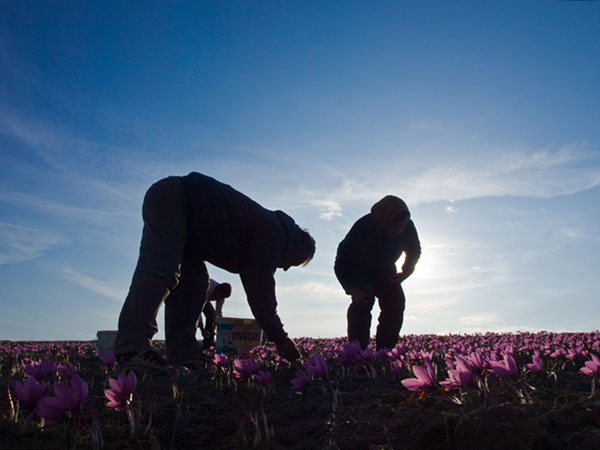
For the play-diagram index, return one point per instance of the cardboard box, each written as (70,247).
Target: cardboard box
(236,337)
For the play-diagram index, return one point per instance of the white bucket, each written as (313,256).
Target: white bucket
(106,341)
(236,337)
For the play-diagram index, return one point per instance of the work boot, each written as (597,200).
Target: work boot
(147,361)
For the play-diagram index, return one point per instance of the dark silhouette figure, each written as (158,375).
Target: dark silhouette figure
(216,292)
(189,220)
(365,266)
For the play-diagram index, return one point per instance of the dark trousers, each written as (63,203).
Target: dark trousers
(391,303)
(210,315)
(165,272)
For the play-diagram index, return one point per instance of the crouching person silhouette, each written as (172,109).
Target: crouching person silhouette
(216,292)
(365,266)
(189,220)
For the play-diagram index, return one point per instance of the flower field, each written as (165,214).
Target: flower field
(483,391)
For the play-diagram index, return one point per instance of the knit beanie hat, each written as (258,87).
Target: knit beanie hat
(386,210)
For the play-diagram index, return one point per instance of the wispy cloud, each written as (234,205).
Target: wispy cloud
(313,289)
(21,243)
(536,174)
(109,290)
(33,202)
(481,320)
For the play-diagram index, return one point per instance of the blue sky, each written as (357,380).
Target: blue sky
(484,117)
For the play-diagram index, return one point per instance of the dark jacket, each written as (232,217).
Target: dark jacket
(364,254)
(233,232)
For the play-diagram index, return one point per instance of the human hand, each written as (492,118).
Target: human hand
(287,349)
(360,297)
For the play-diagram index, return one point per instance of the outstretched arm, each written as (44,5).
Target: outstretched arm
(259,285)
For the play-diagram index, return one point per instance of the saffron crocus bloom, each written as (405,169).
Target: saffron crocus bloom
(122,388)
(30,392)
(66,399)
(397,367)
(559,353)
(425,378)
(245,368)
(40,369)
(65,372)
(109,360)
(300,381)
(220,360)
(349,355)
(461,375)
(52,409)
(535,365)
(592,367)
(507,368)
(477,361)
(398,351)
(367,355)
(316,366)
(262,378)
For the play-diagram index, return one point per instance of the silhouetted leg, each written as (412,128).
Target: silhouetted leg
(359,323)
(182,312)
(211,315)
(391,304)
(158,267)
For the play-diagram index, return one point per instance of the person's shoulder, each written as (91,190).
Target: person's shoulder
(410,226)
(365,223)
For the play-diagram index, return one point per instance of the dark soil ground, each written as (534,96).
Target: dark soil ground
(373,414)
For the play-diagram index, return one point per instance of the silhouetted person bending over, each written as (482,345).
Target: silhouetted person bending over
(365,266)
(216,292)
(189,220)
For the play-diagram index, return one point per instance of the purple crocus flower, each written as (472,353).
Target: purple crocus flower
(507,368)
(40,369)
(245,368)
(425,378)
(477,361)
(109,360)
(220,360)
(559,353)
(398,351)
(349,354)
(316,366)
(65,372)
(30,392)
(461,375)
(300,381)
(592,367)
(121,391)
(367,355)
(263,378)
(397,367)
(535,365)
(66,399)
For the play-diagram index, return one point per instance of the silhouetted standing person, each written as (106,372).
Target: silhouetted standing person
(189,220)
(365,266)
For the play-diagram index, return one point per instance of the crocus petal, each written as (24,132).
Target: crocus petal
(131,382)
(80,390)
(114,384)
(421,373)
(65,395)
(412,384)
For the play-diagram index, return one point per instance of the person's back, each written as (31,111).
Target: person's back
(229,229)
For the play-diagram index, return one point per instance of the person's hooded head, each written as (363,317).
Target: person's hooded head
(391,215)
(300,245)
